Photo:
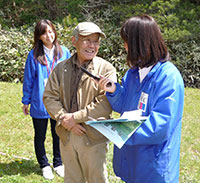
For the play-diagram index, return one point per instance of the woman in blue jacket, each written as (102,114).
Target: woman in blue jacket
(44,56)
(154,86)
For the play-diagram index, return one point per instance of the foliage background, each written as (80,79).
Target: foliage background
(179,21)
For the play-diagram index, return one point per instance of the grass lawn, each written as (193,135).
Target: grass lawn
(17,158)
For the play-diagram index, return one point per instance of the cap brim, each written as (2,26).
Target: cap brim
(89,33)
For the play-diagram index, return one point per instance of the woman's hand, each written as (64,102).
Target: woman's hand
(107,84)
(25,109)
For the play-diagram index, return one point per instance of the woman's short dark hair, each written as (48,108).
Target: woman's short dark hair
(145,43)
(40,29)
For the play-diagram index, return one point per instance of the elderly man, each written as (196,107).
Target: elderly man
(72,98)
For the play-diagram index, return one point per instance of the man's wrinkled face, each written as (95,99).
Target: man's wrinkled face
(87,47)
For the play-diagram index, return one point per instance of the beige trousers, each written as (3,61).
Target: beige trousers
(84,163)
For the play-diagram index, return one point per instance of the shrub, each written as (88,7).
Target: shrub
(14,47)
(178,20)
(186,56)
(19,12)
(179,23)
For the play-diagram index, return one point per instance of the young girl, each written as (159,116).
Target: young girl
(154,86)
(42,59)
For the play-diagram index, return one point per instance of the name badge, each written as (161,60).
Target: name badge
(143,101)
(45,82)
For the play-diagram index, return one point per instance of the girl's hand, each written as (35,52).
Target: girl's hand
(25,109)
(106,84)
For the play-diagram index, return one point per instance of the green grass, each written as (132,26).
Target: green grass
(17,158)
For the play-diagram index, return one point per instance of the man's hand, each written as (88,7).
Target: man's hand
(67,121)
(78,130)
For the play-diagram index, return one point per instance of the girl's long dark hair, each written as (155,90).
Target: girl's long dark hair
(40,29)
(145,43)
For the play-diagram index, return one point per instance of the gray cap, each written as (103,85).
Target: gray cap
(87,28)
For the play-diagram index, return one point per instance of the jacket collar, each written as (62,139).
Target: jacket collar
(89,65)
(151,72)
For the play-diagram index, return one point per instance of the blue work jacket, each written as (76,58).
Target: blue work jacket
(35,78)
(152,153)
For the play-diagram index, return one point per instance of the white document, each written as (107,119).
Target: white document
(119,130)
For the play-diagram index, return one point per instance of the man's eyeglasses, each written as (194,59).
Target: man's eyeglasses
(87,41)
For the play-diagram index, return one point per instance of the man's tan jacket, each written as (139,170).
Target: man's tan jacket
(91,99)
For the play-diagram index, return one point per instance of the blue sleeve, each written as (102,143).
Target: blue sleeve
(117,98)
(165,111)
(29,77)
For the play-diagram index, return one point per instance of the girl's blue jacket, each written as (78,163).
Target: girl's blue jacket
(35,77)
(152,153)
